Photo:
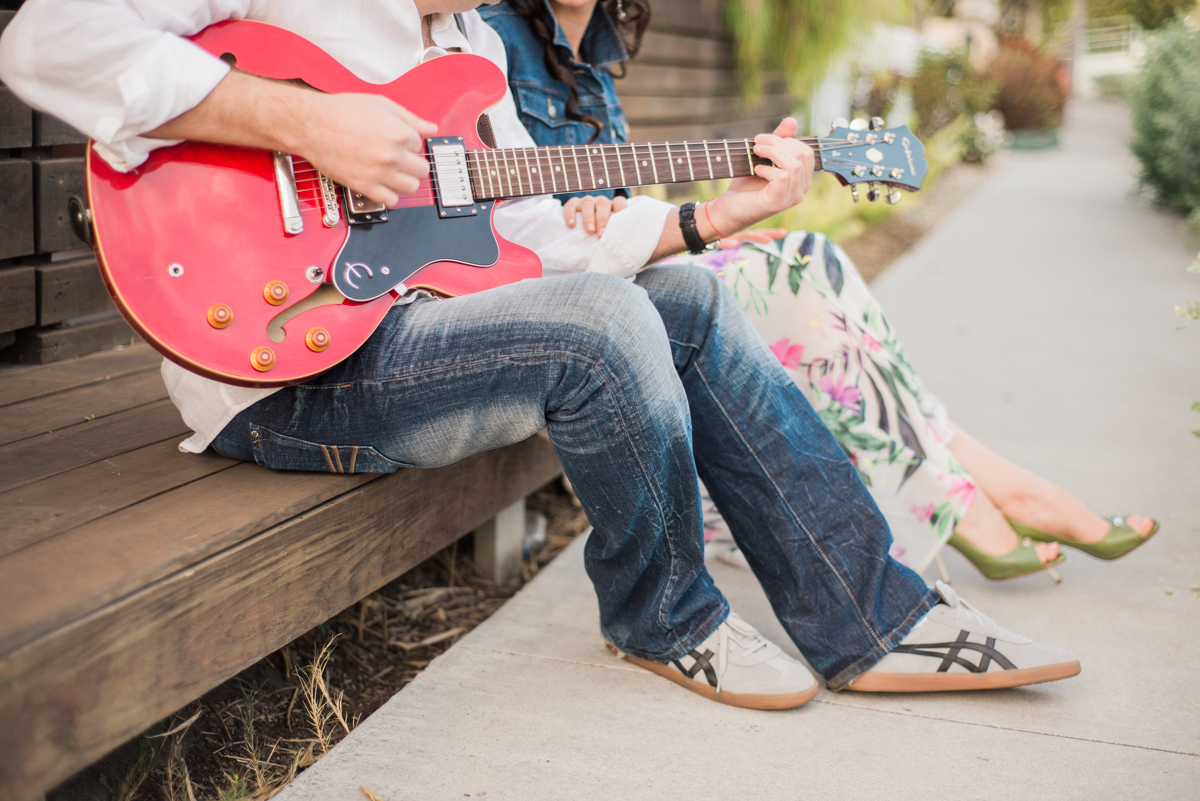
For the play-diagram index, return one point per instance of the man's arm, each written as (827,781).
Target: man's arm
(366,142)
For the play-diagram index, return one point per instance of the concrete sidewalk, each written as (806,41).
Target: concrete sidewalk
(1041,313)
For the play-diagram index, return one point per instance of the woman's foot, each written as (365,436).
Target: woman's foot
(985,527)
(1029,499)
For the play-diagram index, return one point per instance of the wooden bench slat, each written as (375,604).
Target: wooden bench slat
(123,552)
(46,455)
(34,382)
(71,407)
(76,693)
(49,507)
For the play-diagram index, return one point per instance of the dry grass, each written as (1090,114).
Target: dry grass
(248,738)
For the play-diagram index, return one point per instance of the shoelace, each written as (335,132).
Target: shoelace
(747,637)
(967,609)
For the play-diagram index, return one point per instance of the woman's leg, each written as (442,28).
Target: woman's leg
(1029,499)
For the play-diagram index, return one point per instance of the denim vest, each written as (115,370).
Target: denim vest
(542,100)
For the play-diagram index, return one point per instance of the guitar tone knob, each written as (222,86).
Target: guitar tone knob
(262,359)
(220,315)
(877,123)
(317,339)
(275,292)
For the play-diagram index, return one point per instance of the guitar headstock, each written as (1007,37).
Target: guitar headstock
(892,157)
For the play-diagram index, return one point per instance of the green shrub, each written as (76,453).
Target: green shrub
(1154,13)
(1165,101)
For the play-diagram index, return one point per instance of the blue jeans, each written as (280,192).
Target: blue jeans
(643,387)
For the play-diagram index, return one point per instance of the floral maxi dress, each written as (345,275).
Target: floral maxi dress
(813,309)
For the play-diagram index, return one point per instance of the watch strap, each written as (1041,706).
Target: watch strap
(691,236)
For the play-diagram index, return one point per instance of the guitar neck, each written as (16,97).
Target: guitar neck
(519,172)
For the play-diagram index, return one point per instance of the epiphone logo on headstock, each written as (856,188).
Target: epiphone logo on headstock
(912,166)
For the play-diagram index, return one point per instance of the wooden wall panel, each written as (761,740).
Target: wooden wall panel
(683,84)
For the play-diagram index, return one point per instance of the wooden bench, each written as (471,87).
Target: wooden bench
(134,578)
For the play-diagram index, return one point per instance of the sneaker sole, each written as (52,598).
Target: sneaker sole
(744,700)
(873,682)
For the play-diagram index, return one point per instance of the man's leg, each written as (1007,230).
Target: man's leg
(585,355)
(793,501)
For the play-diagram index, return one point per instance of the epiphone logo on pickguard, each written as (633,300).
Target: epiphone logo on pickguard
(912,165)
(356,269)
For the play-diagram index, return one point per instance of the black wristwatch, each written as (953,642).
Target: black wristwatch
(691,236)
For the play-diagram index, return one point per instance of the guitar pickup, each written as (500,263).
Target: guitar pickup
(361,210)
(451,177)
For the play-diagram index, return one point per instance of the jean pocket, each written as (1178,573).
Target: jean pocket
(279,452)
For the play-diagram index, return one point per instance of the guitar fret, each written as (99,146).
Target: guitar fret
(708,160)
(749,157)
(728,160)
(637,170)
(604,161)
(528,174)
(688,155)
(579,175)
(670,162)
(504,174)
(591,169)
(621,164)
(537,157)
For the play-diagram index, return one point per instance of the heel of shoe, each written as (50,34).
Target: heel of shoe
(1021,561)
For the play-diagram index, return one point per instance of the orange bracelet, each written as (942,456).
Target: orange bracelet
(710,222)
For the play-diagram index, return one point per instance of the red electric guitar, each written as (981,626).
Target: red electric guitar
(253,268)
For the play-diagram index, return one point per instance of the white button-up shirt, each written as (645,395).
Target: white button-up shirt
(116,69)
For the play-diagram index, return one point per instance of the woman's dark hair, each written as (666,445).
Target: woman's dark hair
(631,18)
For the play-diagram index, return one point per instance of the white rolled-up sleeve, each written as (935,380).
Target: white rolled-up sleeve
(114,69)
(538,223)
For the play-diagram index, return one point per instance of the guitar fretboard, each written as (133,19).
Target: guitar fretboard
(518,172)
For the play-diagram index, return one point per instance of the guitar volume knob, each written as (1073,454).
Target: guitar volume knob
(317,339)
(275,292)
(262,359)
(220,315)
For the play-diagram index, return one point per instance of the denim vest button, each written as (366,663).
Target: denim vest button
(551,111)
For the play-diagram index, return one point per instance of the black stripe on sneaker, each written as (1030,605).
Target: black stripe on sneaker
(702,663)
(950,656)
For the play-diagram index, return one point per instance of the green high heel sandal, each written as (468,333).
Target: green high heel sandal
(1020,561)
(1120,540)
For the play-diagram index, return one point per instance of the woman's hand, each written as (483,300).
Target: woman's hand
(773,187)
(596,210)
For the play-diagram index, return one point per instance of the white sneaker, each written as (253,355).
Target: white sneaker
(737,666)
(957,647)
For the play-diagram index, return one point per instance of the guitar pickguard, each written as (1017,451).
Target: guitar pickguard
(377,258)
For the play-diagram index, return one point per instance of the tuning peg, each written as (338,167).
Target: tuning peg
(854,193)
(877,123)
(841,122)
(873,193)
(858,125)
(893,197)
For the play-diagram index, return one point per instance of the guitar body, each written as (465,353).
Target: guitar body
(192,242)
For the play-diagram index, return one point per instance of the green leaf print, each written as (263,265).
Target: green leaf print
(833,269)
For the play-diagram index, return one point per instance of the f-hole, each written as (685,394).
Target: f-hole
(326,295)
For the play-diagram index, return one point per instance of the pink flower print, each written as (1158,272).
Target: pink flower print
(789,355)
(846,395)
(870,343)
(897,553)
(924,514)
(964,487)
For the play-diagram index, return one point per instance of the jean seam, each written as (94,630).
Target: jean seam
(783,498)
(686,641)
(838,682)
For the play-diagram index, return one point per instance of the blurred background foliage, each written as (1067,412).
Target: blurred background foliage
(1165,101)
